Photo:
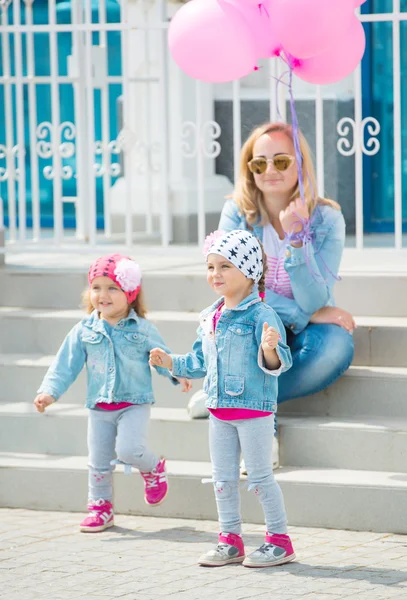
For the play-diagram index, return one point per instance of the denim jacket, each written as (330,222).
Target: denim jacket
(117,364)
(312,283)
(231,357)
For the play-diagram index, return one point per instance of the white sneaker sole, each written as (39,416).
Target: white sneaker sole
(208,563)
(85,529)
(282,561)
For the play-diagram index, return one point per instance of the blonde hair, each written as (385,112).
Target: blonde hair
(138,305)
(247,195)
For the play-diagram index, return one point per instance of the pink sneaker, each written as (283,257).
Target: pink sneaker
(276,550)
(100,516)
(155,484)
(229,550)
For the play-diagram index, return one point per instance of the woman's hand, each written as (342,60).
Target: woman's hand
(186,384)
(334,316)
(42,401)
(159,358)
(291,218)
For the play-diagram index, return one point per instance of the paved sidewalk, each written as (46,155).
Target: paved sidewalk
(42,555)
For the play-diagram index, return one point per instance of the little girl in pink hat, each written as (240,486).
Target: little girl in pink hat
(114,342)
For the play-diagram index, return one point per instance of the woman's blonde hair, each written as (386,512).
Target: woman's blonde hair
(247,195)
(138,305)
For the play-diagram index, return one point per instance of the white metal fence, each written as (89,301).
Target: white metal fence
(130,180)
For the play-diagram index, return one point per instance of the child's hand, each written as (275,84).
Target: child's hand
(159,358)
(269,338)
(186,384)
(42,401)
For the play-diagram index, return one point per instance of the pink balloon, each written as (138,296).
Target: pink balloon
(308,27)
(337,62)
(359,3)
(211,41)
(257,15)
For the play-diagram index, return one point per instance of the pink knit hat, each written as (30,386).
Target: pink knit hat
(120,269)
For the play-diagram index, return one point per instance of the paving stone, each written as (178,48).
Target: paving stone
(158,560)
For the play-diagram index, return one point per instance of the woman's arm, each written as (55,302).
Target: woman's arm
(291,314)
(230,217)
(313,275)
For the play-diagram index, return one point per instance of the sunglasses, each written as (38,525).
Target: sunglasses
(281,162)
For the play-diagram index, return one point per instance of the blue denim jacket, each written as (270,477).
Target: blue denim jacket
(312,284)
(231,357)
(116,363)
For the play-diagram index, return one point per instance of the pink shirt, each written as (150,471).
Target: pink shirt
(277,278)
(113,405)
(233,414)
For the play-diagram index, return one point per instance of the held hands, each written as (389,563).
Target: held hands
(159,358)
(334,316)
(269,338)
(290,218)
(42,401)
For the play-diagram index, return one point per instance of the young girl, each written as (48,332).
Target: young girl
(240,350)
(114,342)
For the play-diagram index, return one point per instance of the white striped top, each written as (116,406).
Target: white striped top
(277,278)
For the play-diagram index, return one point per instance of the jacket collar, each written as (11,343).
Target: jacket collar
(97,324)
(252,298)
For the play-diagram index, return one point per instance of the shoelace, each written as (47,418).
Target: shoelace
(151,479)
(222,546)
(263,549)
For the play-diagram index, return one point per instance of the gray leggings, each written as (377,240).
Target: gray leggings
(117,433)
(254,438)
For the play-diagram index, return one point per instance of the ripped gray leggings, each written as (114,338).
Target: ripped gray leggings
(253,438)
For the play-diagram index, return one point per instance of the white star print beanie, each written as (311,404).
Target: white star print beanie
(240,247)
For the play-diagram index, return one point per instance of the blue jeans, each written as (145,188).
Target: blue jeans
(321,354)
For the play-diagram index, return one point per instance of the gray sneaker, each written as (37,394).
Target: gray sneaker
(229,550)
(273,552)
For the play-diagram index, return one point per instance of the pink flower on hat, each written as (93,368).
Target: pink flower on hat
(128,275)
(120,269)
(210,240)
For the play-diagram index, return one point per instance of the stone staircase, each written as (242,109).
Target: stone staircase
(344,451)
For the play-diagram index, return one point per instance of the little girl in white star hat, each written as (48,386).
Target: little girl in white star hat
(240,351)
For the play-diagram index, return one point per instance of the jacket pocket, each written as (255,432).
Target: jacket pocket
(241,329)
(92,337)
(234,386)
(133,345)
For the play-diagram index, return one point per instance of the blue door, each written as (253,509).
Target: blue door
(377,89)
(67,108)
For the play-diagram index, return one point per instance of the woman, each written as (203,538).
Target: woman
(301,273)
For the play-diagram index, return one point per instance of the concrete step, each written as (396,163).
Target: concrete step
(362,391)
(379,341)
(317,442)
(329,498)
(182,287)
(62,430)
(41,331)
(22,374)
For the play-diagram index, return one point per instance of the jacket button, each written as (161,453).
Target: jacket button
(288,253)
(238,331)
(110,369)
(135,335)
(292,326)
